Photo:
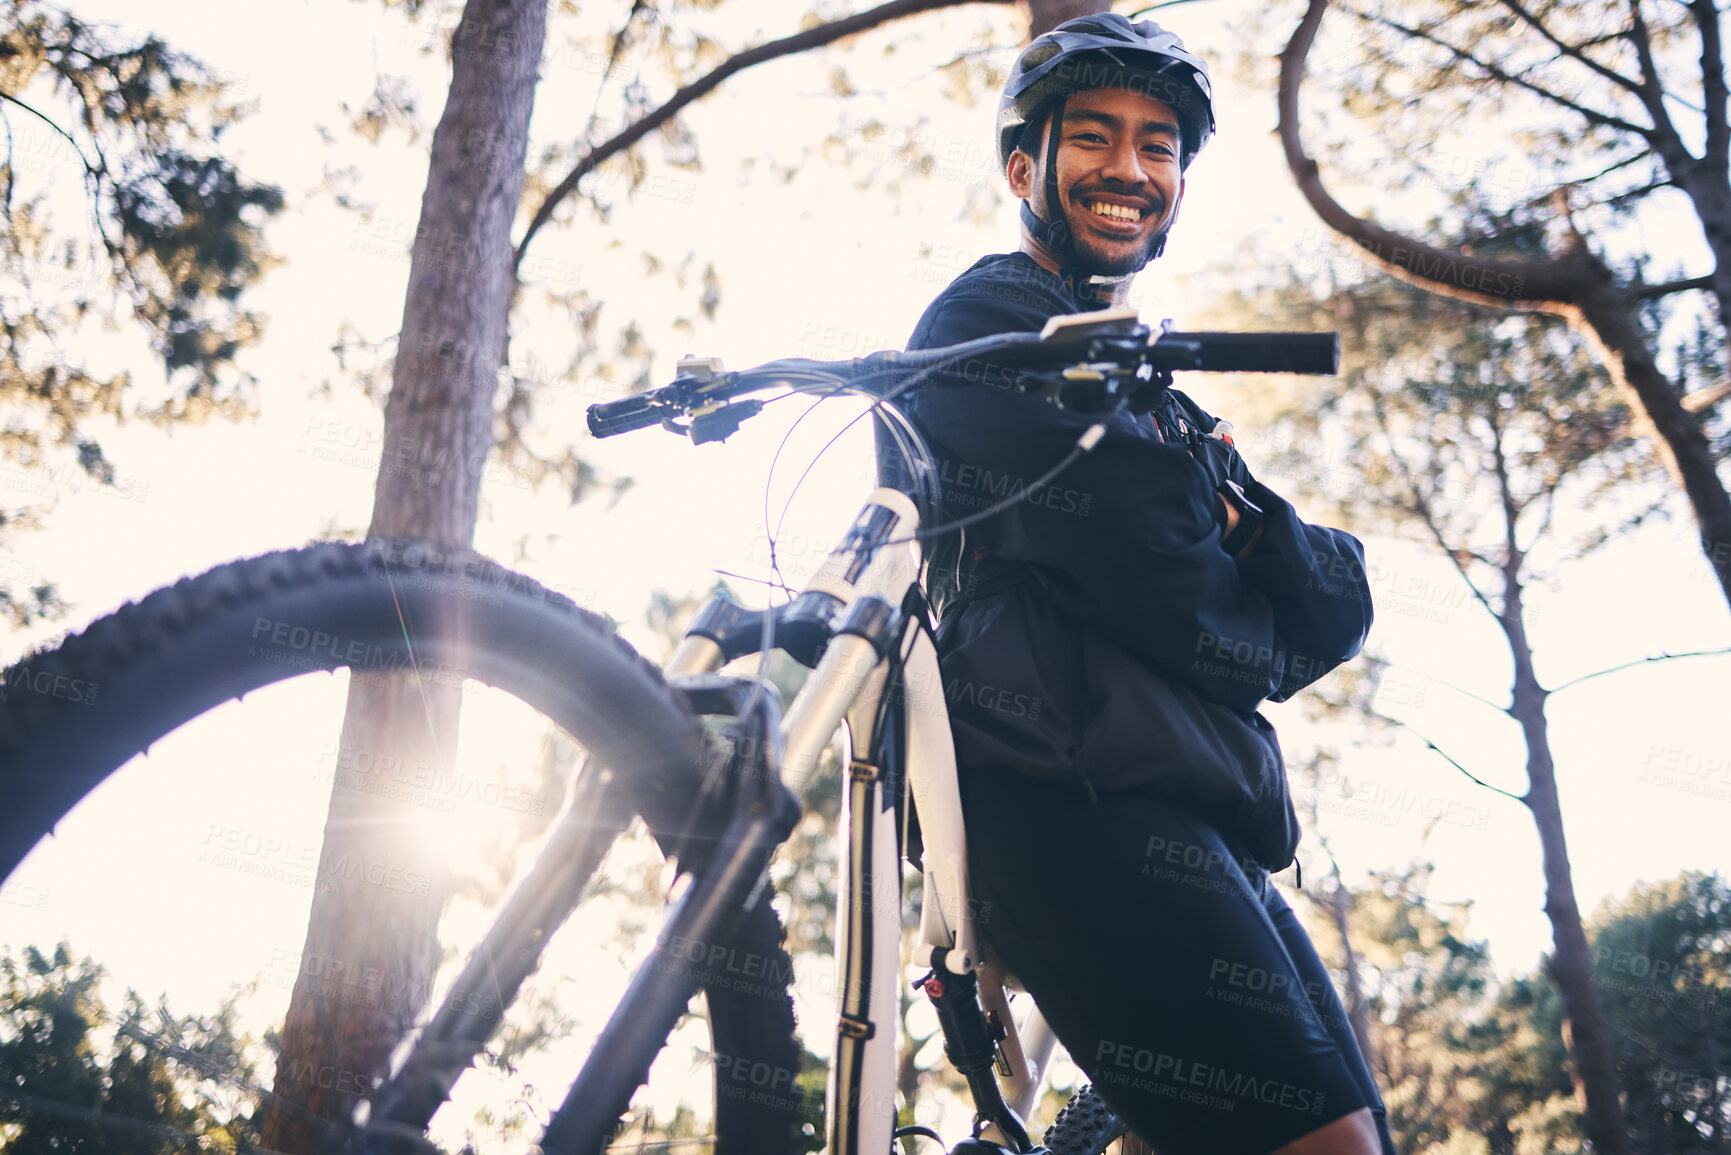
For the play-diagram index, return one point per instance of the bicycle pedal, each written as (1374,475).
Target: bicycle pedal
(985,1147)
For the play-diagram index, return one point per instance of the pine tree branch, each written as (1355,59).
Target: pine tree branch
(1570,51)
(1447,685)
(1499,283)
(1632,158)
(1421,509)
(98,173)
(1378,714)
(739,62)
(1704,399)
(1647,292)
(1622,198)
(1637,662)
(1496,72)
(613,55)
(1663,133)
(89,168)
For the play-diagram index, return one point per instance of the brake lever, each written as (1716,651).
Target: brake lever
(722,421)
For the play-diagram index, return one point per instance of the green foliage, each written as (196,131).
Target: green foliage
(1468,1063)
(177,226)
(1662,958)
(114,201)
(78,1078)
(1460,1060)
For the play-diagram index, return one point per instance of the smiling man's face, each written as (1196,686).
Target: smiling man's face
(1118,176)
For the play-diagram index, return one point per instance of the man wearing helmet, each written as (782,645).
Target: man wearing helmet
(1106,642)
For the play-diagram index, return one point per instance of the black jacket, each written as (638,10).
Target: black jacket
(1097,632)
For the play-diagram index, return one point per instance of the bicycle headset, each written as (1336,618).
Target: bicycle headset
(1102,51)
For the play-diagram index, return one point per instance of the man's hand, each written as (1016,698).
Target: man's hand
(1232,524)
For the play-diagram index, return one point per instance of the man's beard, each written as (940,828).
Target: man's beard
(1103,263)
(1117,261)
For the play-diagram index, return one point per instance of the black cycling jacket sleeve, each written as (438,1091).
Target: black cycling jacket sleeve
(1132,531)
(1313,575)
(1315,578)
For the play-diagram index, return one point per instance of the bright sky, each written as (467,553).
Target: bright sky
(839,261)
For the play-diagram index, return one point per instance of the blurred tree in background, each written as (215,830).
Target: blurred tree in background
(76,1076)
(117,208)
(1612,126)
(1475,1065)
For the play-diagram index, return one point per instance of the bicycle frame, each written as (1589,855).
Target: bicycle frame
(908,743)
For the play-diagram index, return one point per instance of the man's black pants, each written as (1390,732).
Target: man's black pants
(1179,980)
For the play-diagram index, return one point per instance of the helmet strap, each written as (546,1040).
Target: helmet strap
(1059,228)
(1054,233)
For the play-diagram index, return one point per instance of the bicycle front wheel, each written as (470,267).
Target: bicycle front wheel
(387,607)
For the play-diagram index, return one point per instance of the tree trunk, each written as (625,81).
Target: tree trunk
(1586,1033)
(372,942)
(1339,904)
(1605,313)
(1045,15)
(1710,193)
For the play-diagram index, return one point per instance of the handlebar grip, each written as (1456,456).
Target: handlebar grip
(1265,352)
(611,418)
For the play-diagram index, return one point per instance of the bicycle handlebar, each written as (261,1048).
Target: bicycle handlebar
(611,418)
(1110,347)
(1265,352)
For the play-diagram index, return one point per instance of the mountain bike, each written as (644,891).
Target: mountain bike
(718,799)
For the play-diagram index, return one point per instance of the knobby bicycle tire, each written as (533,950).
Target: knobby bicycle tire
(1085,1126)
(71,716)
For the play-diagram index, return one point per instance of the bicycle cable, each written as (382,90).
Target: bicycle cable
(908,442)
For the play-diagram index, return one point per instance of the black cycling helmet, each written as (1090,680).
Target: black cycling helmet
(1101,51)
